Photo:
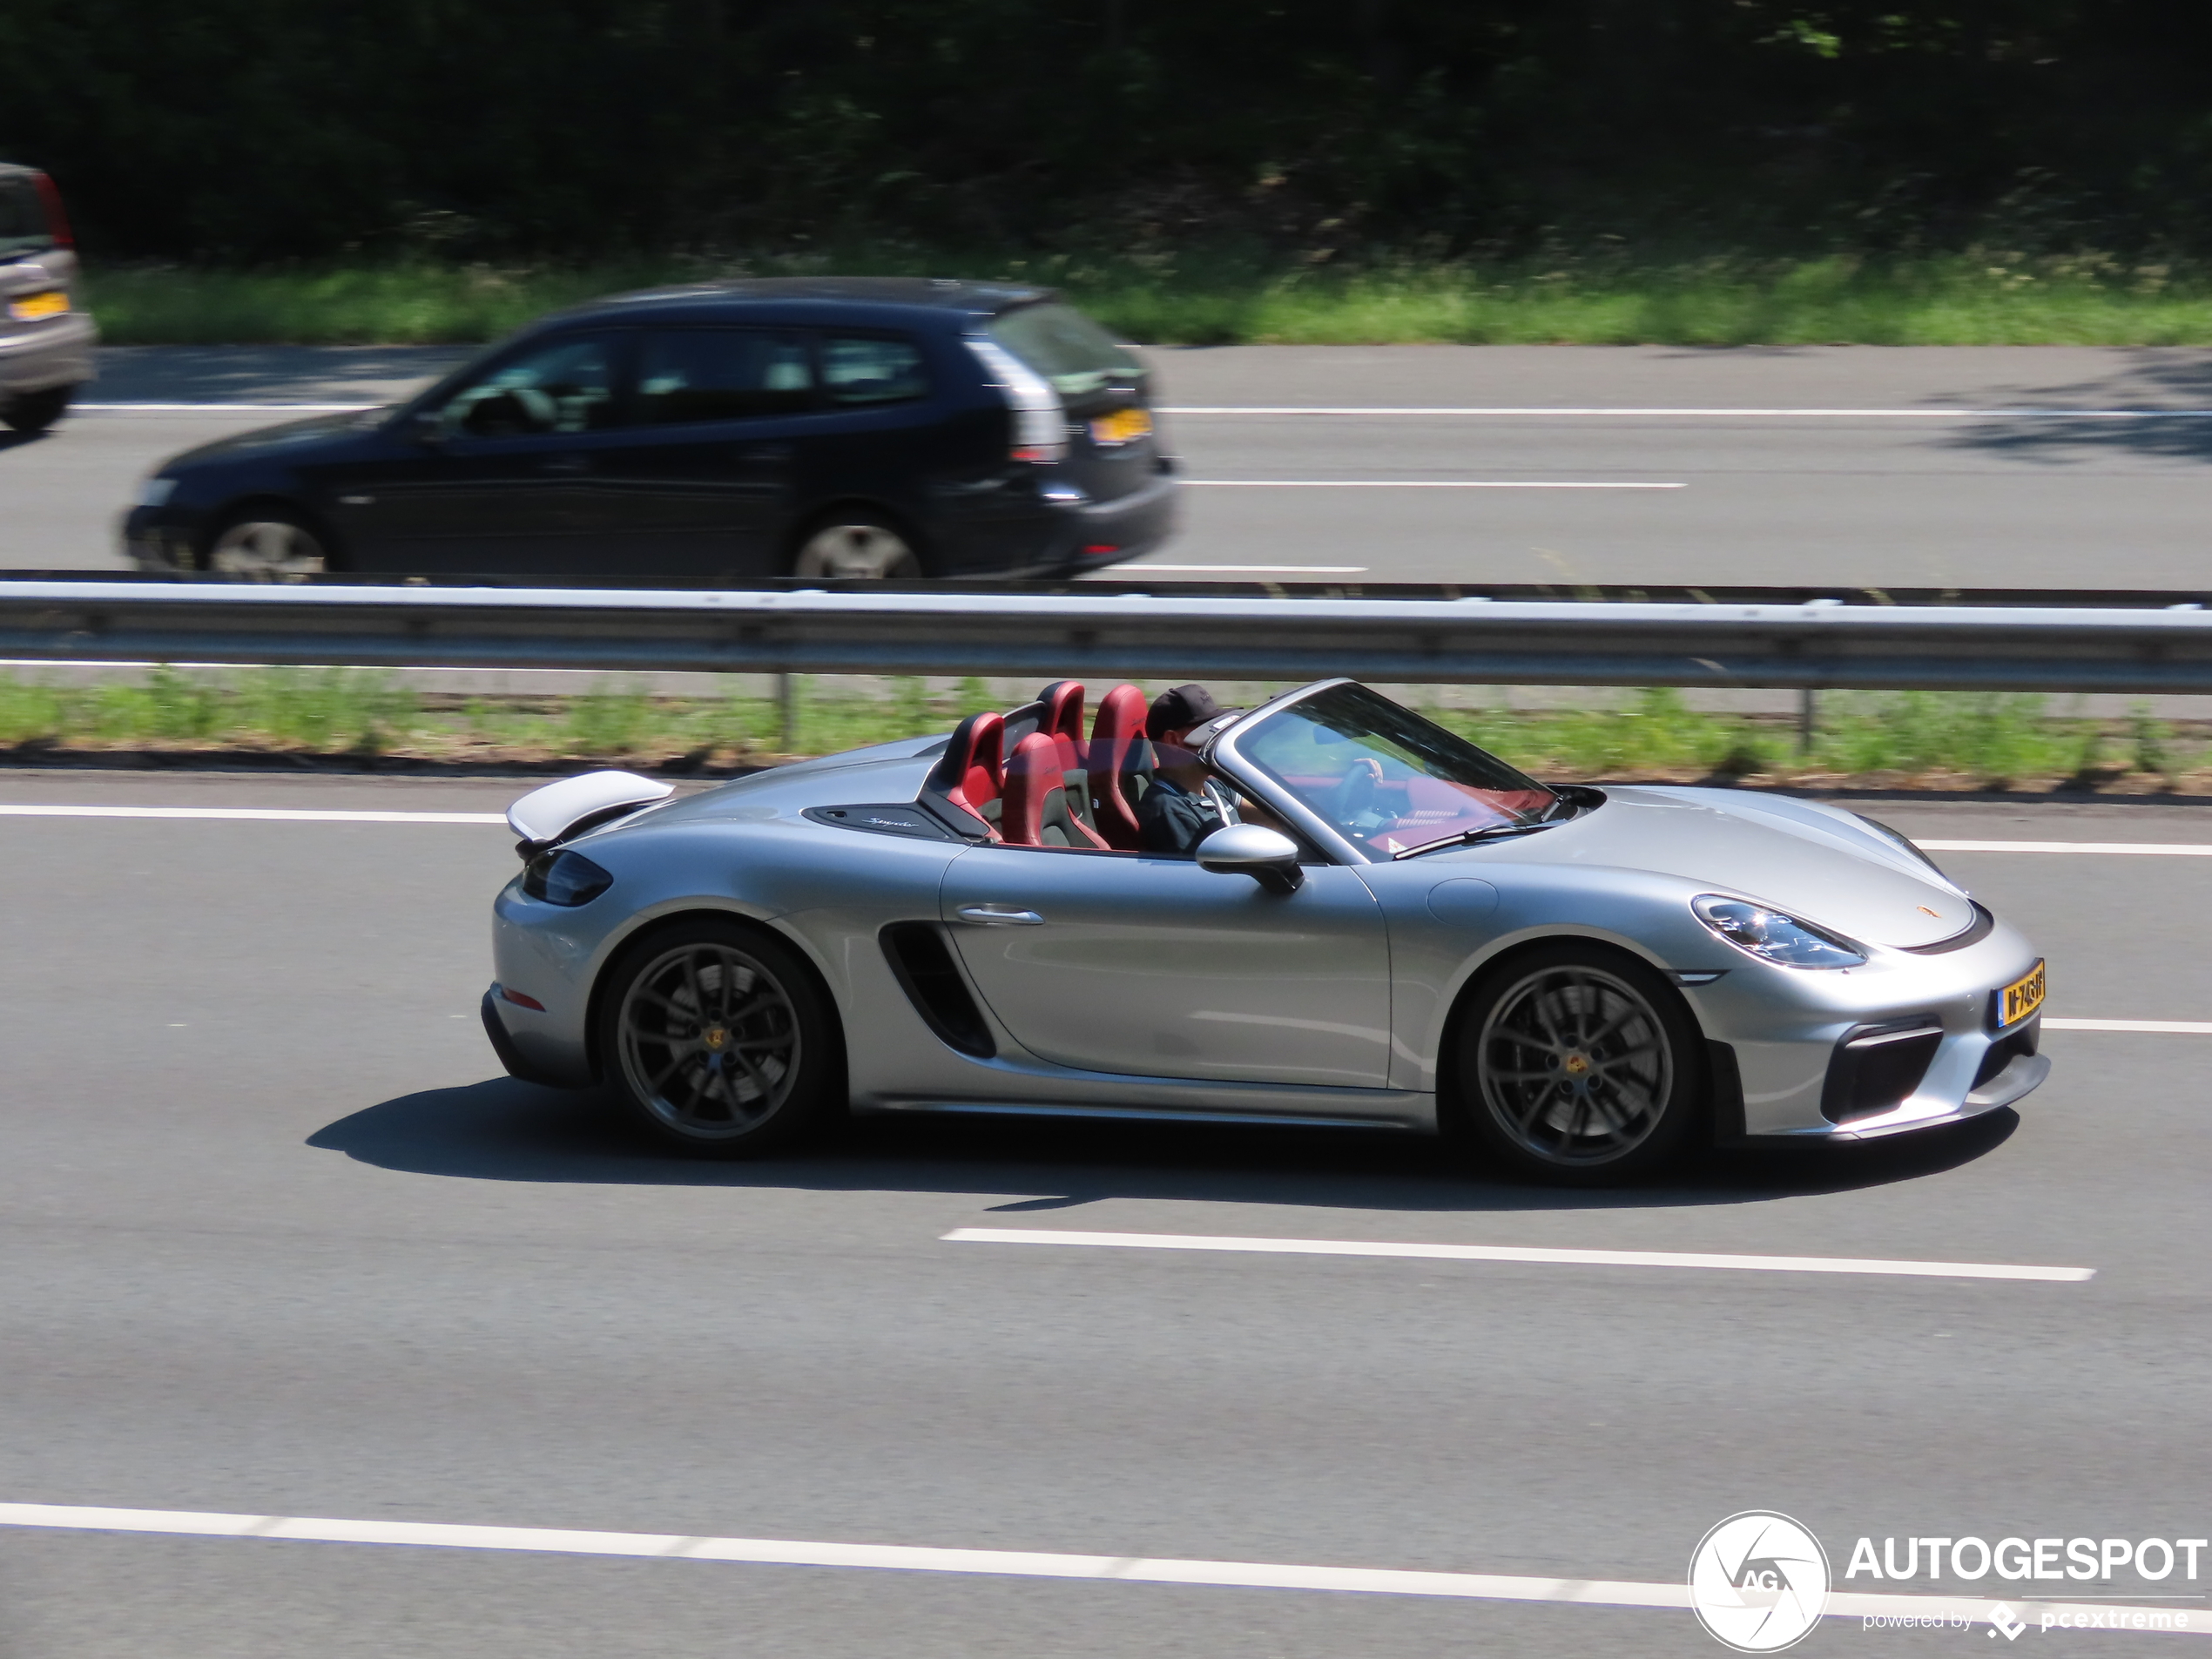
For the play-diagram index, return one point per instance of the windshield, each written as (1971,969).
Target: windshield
(1385,778)
(1065,347)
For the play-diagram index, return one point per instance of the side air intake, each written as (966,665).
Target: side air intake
(925,972)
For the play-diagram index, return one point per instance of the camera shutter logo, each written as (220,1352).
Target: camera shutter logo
(1759,1581)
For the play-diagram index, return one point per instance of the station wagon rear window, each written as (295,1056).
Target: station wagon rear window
(1065,347)
(23,218)
(873,369)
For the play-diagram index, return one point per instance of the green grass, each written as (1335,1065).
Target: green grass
(1979,297)
(1897,738)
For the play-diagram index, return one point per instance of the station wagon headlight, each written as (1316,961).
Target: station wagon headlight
(156,492)
(1772,936)
(565,878)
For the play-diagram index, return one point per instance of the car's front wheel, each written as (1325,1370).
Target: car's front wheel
(719,1040)
(1578,1065)
(268,544)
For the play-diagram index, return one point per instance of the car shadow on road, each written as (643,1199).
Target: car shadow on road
(2155,407)
(504,1131)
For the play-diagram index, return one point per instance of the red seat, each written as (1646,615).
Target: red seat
(1064,720)
(1118,756)
(1035,810)
(969,774)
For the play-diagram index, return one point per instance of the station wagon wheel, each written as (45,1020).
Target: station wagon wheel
(856,543)
(717,1040)
(1579,1064)
(31,413)
(268,546)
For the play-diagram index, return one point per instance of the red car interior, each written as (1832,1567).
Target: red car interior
(1036,812)
(968,774)
(1118,757)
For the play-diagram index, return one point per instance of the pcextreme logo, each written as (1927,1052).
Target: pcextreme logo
(1759,1581)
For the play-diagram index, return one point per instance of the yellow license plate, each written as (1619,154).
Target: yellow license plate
(2021,998)
(1123,426)
(30,308)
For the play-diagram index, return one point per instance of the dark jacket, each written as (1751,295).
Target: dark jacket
(1170,820)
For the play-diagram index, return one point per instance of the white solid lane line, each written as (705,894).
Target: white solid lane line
(2181,1028)
(1009,1563)
(1585,412)
(223,408)
(264,814)
(1516,1253)
(2150,849)
(1409,483)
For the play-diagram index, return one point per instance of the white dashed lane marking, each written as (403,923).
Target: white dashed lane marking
(1517,1253)
(1009,1563)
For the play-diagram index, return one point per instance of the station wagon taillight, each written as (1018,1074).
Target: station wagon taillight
(56,218)
(1040,419)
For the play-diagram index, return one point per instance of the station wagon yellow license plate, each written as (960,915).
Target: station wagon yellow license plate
(30,308)
(1123,426)
(2019,999)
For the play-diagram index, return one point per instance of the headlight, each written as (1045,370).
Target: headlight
(154,492)
(565,878)
(1772,936)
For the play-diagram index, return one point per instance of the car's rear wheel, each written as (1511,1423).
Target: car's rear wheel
(719,1040)
(268,544)
(33,412)
(855,543)
(1578,1065)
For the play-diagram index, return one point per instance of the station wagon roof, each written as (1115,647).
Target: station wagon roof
(882,293)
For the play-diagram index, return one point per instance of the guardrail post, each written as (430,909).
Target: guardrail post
(1808,719)
(787,713)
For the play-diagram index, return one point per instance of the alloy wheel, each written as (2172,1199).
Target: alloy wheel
(269,550)
(710,1041)
(872,552)
(1575,1066)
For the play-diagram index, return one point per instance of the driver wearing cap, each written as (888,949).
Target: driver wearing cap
(1177,811)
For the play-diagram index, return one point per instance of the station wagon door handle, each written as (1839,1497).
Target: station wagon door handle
(999,915)
(568,466)
(761,453)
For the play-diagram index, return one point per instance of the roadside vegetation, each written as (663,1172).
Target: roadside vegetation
(349,719)
(1980,297)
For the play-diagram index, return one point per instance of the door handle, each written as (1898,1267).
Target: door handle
(565,465)
(766,452)
(999,915)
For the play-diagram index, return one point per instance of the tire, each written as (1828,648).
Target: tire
(269,544)
(856,543)
(1577,1065)
(763,1068)
(31,413)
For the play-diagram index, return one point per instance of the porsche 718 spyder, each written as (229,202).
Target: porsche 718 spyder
(1392,928)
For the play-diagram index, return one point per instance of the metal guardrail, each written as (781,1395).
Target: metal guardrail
(1814,645)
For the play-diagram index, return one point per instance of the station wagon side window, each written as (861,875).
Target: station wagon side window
(565,384)
(866,369)
(694,375)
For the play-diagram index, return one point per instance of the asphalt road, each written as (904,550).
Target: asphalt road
(279,1240)
(1973,467)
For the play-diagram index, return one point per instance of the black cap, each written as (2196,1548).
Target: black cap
(1179,710)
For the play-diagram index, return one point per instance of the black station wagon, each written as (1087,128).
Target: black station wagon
(723,433)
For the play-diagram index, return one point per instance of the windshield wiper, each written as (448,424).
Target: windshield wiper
(1488,833)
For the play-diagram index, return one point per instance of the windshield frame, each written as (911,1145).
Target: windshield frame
(1225,756)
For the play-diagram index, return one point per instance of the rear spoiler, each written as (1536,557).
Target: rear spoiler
(585,801)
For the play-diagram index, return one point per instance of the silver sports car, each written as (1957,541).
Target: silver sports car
(1390,928)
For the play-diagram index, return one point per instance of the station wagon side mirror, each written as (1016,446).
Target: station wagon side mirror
(421,425)
(1268,856)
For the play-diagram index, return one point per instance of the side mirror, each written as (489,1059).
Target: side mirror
(1268,856)
(421,425)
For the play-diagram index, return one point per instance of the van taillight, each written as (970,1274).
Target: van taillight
(56,218)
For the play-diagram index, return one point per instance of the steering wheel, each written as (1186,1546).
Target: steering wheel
(1357,793)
